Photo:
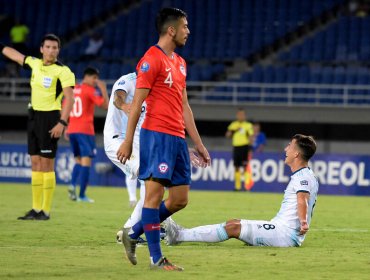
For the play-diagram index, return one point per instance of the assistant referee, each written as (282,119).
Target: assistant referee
(50,81)
(240,131)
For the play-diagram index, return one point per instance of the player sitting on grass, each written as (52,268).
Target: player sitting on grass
(287,229)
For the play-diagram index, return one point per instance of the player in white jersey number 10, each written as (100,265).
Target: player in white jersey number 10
(287,229)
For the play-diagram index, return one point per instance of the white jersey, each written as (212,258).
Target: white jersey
(283,230)
(116,120)
(303,180)
(116,125)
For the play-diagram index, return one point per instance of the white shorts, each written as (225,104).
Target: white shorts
(267,233)
(131,167)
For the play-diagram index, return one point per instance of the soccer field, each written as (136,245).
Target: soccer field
(79,240)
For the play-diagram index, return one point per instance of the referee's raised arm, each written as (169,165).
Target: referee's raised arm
(12,54)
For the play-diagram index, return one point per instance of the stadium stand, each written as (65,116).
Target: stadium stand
(221,17)
(226,31)
(344,41)
(222,32)
(56,16)
(288,62)
(336,54)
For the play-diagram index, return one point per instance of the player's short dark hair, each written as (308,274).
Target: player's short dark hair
(306,144)
(89,71)
(166,16)
(50,37)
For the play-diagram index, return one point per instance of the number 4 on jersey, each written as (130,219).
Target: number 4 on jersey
(169,80)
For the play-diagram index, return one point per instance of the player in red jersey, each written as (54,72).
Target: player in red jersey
(81,128)
(164,157)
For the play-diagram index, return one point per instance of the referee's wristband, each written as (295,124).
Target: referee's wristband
(63,122)
(2,46)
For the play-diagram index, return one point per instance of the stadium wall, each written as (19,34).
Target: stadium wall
(338,174)
(332,124)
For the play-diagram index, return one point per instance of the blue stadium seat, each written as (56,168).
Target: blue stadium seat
(292,74)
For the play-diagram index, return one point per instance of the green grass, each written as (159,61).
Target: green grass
(79,240)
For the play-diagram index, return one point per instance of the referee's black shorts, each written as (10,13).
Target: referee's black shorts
(38,135)
(240,155)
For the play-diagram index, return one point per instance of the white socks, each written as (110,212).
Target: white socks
(131,188)
(209,233)
(136,214)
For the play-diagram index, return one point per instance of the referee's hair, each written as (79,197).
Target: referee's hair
(166,16)
(89,71)
(306,144)
(50,37)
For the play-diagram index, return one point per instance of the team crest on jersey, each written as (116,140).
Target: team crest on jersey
(144,67)
(47,82)
(304,183)
(163,167)
(182,69)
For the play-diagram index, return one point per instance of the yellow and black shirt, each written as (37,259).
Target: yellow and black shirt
(47,83)
(242,132)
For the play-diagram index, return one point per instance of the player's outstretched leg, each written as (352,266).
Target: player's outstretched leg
(172,231)
(164,264)
(130,246)
(209,233)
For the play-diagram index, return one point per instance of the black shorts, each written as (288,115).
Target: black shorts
(240,156)
(38,135)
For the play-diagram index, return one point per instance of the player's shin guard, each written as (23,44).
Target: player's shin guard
(238,182)
(151,225)
(37,179)
(48,190)
(84,179)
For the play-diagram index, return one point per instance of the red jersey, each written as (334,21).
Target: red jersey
(81,119)
(165,77)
